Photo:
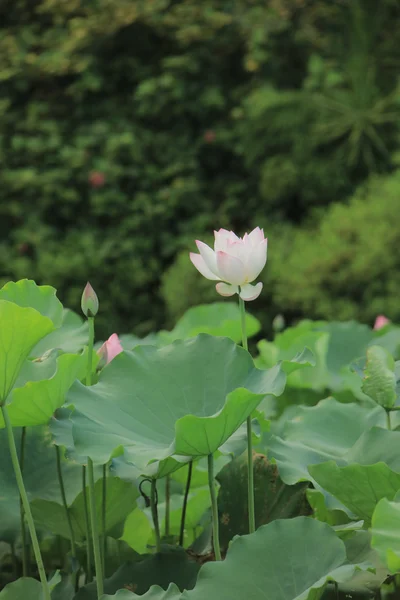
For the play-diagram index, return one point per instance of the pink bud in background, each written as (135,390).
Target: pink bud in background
(209,136)
(235,262)
(89,301)
(380,322)
(110,349)
(97,179)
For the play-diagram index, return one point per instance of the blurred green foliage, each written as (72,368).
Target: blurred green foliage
(130,127)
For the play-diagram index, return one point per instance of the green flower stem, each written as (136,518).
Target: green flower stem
(24,540)
(25,502)
(98,564)
(167,504)
(185,501)
(87,529)
(250,466)
(67,514)
(154,513)
(90,472)
(214,507)
(388,419)
(103,516)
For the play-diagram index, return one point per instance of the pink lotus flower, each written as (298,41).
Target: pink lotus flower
(109,349)
(235,262)
(380,322)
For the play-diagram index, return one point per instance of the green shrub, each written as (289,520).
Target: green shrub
(347,266)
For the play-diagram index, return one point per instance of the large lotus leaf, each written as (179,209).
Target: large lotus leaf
(40,477)
(385,529)
(154,593)
(138,531)
(359,487)
(316,434)
(21,329)
(373,572)
(121,500)
(26,293)
(71,337)
(376,445)
(347,341)
(36,401)
(219,318)
(22,589)
(184,399)
(379,377)
(254,564)
(273,498)
(171,565)
(333,517)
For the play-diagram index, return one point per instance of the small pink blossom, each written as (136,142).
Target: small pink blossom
(110,349)
(97,179)
(380,322)
(235,262)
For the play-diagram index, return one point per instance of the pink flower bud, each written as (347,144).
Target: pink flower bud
(109,350)
(380,322)
(235,262)
(97,179)
(89,301)
(209,136)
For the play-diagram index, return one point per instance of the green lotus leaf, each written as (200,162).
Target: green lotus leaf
(22,589)
(273,499)
(171,565)
(359,487)
(254,564)
(154,593)
(121,500)
(385,529)
(26,293)
(70,337)
(36,401)
(184,399)
(21,329)
(316,434)
(218,318)
(372,573)
(40,477)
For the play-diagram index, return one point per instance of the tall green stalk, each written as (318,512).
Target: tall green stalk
(24,539)
(154,513)
(167,504)
(90,472)
(250,466)
(103,516)
(25,502)
(388,420)
(87,529)
(214,507)
(67,514)
(185,501)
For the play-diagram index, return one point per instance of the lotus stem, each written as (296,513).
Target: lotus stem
(25,502)
(67,514)
(167,504)
(24,540)
(87,529)
(185,501)
(250,466)
(388,419)
(214,507)
(154,513)
(103,516)
(98,564)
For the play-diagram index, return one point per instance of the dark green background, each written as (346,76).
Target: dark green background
(200,115)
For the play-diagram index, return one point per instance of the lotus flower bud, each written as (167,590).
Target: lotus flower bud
(235,262)
(89,302)
(278,323)
(109,350)
(380,322)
